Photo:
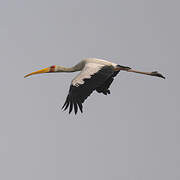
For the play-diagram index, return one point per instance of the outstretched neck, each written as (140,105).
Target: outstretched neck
(66,69)
(77,67)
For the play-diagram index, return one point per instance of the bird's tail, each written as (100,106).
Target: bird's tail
(125,68)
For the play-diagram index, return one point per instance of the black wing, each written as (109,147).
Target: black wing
(78,94)
(104,88)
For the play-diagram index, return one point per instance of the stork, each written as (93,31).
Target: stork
(96,75)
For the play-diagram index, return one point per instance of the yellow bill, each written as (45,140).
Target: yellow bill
(45,70)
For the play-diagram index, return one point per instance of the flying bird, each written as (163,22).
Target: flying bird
(96,75)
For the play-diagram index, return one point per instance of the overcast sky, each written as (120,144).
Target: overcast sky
(132,134)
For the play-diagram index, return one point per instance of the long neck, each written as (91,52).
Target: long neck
(65,69)
(77,67)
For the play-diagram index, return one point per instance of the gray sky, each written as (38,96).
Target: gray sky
(133,134)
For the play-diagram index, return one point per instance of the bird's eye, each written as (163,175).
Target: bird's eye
(52,68)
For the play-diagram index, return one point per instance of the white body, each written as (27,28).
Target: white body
(89,67)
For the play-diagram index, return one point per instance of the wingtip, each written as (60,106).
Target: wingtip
(73,105)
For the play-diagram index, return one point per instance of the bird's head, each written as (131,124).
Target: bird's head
(50,69)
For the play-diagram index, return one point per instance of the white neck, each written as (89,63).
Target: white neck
(77,67)
(65,69)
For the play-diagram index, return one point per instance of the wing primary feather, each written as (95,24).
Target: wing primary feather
(67,104)
(71,107)
(75,108)
(80,106)
(64,104)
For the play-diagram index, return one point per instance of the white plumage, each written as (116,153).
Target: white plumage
(88,70)
(89,67)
